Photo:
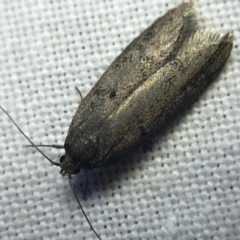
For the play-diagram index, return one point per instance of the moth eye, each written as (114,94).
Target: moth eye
(62,158)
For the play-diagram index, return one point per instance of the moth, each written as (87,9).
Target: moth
(158,75)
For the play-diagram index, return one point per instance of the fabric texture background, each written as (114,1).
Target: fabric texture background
(186,186)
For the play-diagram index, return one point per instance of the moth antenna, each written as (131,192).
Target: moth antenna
(44,145)
(74,192)
(52,162)
(80,93)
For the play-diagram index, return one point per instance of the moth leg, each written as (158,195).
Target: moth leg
(43,145)
(146,147)
(86,186)
(79,92)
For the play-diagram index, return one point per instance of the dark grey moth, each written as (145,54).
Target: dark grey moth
(159,74)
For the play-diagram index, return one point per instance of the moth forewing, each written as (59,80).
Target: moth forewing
(148,53)
(140,59)
(170,90)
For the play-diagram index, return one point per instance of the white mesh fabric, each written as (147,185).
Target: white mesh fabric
(186,187)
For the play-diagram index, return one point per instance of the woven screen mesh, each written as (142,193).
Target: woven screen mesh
(185,186)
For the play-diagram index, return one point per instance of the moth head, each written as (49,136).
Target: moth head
(67,166)
(79,154)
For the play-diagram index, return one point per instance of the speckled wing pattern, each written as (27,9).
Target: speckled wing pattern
(160,73)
